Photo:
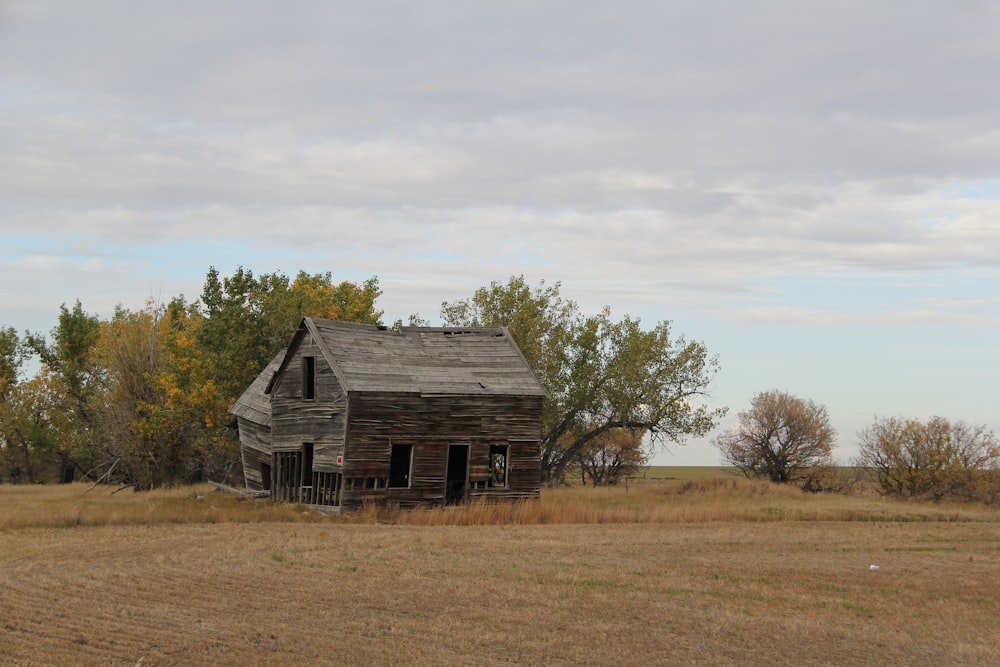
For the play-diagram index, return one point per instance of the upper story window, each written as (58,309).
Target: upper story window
(309,378)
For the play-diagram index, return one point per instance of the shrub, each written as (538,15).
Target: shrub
(936,460)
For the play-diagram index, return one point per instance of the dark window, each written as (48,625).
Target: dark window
(400,463)
(309,378)
(498,465)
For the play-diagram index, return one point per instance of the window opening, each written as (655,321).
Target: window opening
(499,456)
(309,378)
(400,464)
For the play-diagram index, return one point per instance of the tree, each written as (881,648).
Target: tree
(613,454)
(248,320)
(173,371)
(33,415)
(781,438)
(33,424)
(132,357)
(146,393)
(601,375)
(76,378)
(188,400)
(12,357)
(164,419)
(14,452)
(938,459)
(71,355)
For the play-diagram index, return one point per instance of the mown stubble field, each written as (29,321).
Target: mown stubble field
(721,592)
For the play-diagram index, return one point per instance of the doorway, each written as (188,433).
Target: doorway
(457,477)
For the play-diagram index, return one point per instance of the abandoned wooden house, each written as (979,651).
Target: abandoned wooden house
(352,413)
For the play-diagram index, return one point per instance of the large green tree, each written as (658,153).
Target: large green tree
(75,377)
(12,356)
(34,413)
(71,356)
(14,453)
(601,374)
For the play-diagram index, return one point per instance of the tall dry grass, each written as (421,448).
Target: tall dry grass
(684,501)
(68,505)
(650,501)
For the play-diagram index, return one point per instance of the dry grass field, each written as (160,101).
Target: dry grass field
(699,572)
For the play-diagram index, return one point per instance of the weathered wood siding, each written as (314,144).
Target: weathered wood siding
(321,421)
(255,448)
(430,424)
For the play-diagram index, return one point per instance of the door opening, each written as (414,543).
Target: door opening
(457,479)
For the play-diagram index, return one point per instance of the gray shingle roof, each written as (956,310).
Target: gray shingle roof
(254,403)
(427,360)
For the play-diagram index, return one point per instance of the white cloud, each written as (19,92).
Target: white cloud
(733,164)
(36,263)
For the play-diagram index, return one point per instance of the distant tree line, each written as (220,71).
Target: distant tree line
(787,439)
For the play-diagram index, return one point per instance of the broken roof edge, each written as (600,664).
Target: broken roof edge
(517,348)
(495,331)
(341,324)
(254,401)
(312,326)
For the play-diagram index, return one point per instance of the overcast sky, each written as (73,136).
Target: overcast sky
(811,189)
